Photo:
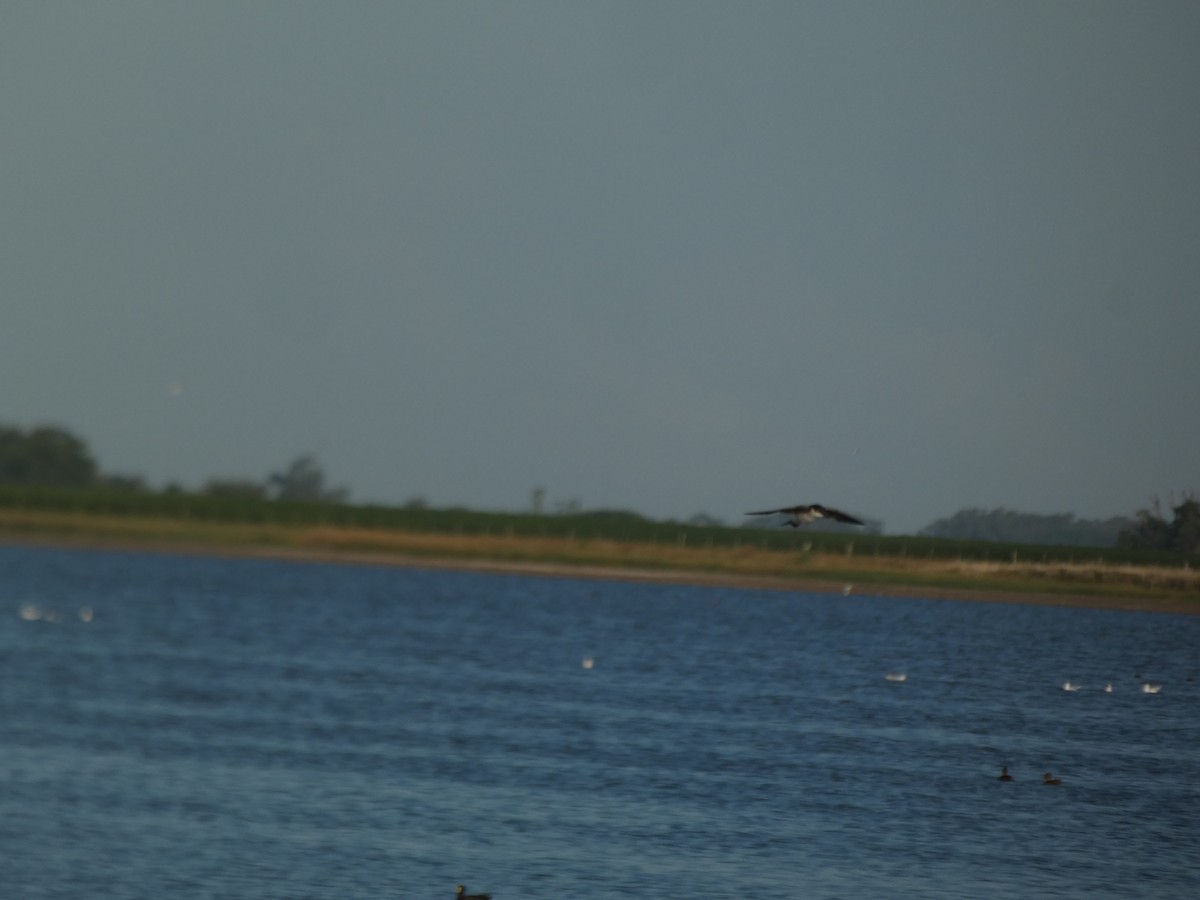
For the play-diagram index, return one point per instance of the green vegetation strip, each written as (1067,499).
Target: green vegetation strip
(627,527)
(482,538)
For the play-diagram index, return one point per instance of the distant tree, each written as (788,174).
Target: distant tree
(1009,526)
(127,484)
(538,500)
(304,479)
(572,507)
(243,488)
(1187,526)
(1151,530)
(45,457)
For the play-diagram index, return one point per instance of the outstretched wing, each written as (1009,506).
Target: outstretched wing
(836,514)
(801,510)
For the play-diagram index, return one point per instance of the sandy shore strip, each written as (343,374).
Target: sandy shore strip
(1177,605)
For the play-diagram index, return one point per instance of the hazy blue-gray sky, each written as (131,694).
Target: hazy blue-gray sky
(901,258)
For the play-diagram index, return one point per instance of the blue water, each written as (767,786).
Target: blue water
(201,728)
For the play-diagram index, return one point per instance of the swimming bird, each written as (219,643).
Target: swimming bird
(1069,686)
(1148,688)
(1004,776)
(802,515)
(896,676)
(461,894)
(1047,778)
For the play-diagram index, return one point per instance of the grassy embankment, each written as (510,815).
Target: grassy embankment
(615,544)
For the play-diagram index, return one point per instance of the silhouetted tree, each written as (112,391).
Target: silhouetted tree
(304,479)
(126,484)
(1187,526)
(45,457)
(1152,531)
(244,489)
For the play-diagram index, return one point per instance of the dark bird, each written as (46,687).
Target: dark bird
(1050,779)
(802,515)
(462,894)
(1004,776)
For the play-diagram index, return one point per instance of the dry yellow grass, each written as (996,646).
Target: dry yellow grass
(750,560)
(1178,584)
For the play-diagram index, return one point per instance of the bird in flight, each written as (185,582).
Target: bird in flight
(802,515)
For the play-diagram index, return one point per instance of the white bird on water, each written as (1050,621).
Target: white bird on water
(1070,686)
(1149,688)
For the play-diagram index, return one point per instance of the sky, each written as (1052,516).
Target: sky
(677,258)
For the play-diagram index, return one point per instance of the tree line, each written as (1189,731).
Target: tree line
(1005,525)
(50,457)
(54,458)
(1149,529)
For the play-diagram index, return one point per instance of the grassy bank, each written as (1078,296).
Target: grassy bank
(799,563)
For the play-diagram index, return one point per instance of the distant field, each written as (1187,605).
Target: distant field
(669,551)
(615,525)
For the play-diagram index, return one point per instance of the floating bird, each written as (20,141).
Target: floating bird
(462,894)
(802,515)
(1004,776)
(1148,688)
(1108,688)
(1049,779)
(587,662)
(1070,686)
(896,676)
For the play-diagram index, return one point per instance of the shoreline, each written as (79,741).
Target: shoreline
(530,568)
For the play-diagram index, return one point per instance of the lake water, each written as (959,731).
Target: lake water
(184,727)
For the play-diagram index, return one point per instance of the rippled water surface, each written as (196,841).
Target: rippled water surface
(187,727)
